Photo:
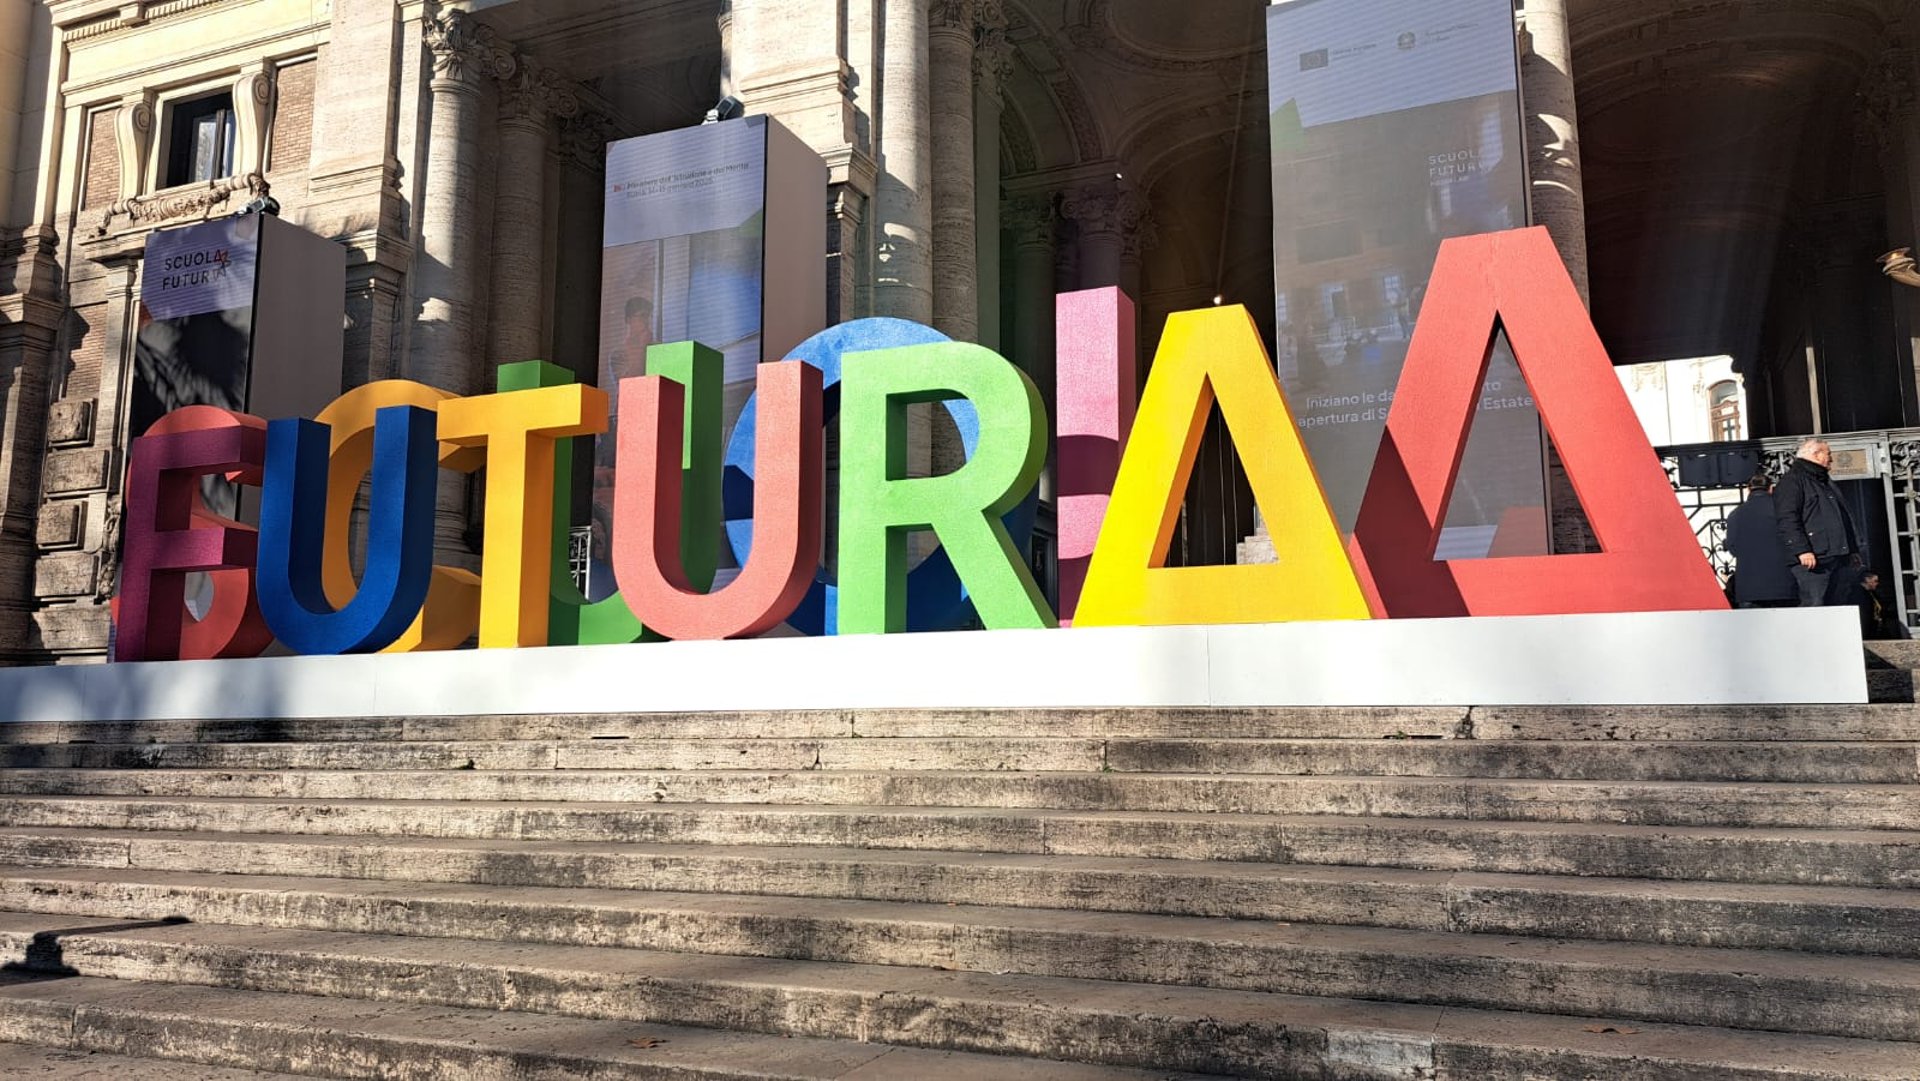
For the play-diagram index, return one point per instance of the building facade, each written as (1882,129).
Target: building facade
(1719,176)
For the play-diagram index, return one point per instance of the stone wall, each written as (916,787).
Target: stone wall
(110,121)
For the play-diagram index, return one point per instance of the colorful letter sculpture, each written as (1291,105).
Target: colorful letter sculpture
(165,539)
(232,625)
(1203,354)
(1096,387)
(572,619)
(452,610)
(1650,560)
(674,490)
(519,431)
(880,506)
(291,578)
(787,518)
(936,600)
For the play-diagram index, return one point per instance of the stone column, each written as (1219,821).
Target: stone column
(530,98)
(583,171)
(1905,142)
(992,67)
(849,271)
(1891,123)
(31,310)
(903,204)
(1553,133)
(956,279)
(16,16)
(1108,216)
(1030,219)
(442,352)
(725,22)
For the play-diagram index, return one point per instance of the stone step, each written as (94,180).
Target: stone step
(1816,806)
(1898,722)
(1857,997)
(1816,919)
(1890,685)
(27,1063)
(1895,653)
(347,1038)
(1315,723)
(1817,763)
(1241,1033)
(1872,858)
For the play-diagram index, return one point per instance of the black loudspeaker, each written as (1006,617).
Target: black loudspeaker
(1729,468)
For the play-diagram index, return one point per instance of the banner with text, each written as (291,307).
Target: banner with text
(1396,124)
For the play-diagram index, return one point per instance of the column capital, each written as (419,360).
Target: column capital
(1030,218)
(583,137)
(533,94)
(464,49)
(1105,208)
(953,16)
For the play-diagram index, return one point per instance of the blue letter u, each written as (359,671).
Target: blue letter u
(399,534)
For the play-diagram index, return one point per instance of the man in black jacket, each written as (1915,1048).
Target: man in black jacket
(1816,527)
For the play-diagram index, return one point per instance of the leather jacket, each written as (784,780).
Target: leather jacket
(1811,514)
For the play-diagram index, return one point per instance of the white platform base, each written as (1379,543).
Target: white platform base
(1785,656)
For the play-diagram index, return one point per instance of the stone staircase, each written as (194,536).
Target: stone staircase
(1468,894)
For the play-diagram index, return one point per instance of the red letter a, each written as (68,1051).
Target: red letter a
(1649,559)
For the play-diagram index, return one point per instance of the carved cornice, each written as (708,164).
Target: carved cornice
(86,25)
(198,203)
(466,50)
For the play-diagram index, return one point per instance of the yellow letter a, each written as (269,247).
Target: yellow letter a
(1203,354)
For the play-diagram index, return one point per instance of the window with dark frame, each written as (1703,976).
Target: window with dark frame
(200,136)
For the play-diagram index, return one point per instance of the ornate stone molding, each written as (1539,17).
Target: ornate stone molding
(200,202)
(1030,218)
(1105,209)
(137,13)
(952,15)
(253,101)
(583,138)
(133,135)
(532,92)
(993,58)
(466,50)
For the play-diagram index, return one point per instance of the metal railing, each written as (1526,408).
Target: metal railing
(1890,458)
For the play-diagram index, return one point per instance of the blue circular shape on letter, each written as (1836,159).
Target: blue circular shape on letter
(936,600)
